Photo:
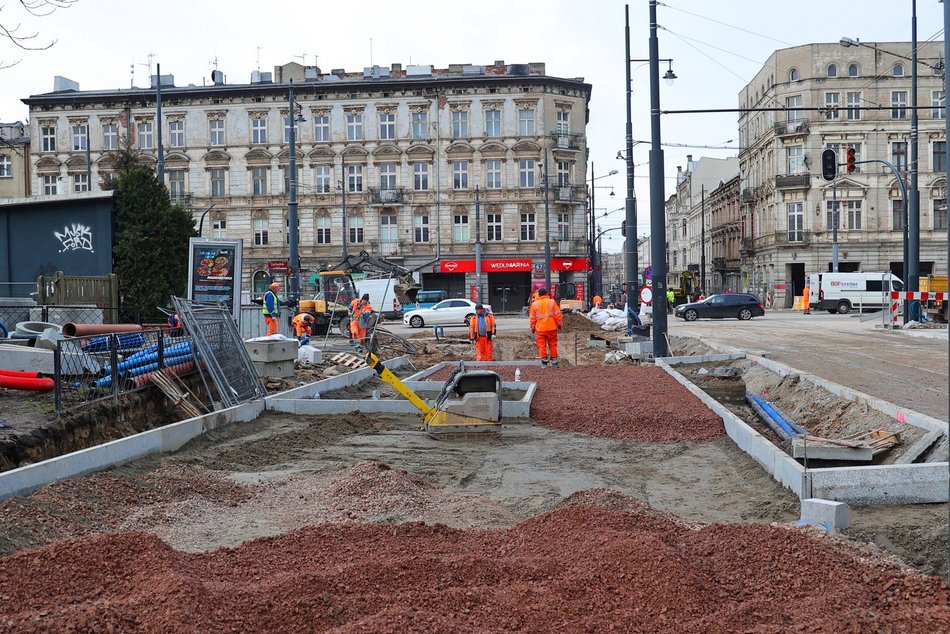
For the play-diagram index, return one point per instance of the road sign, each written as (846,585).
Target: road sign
(648,273)
(646,295)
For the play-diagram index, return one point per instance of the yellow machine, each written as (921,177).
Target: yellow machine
(469,404)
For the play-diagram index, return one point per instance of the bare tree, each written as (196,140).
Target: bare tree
(28,41)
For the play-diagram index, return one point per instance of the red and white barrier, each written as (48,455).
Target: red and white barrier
(898,296)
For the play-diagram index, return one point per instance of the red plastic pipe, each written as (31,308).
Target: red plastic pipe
(20,374)
(22,383)
(87,330)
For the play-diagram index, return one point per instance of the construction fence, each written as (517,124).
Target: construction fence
(92,369)
(12,314)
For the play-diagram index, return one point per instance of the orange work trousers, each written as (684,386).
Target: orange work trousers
(547,340)
(357,333)
(483,349)
(271,325)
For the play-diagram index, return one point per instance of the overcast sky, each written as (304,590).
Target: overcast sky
(717,46)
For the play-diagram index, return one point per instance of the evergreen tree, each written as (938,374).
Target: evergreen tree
(151,238)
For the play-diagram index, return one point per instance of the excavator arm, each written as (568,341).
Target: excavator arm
(363,262)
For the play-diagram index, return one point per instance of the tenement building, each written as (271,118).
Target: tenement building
(14,160)
(817,96)
(411,161)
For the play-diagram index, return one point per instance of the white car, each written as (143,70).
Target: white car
(448,312)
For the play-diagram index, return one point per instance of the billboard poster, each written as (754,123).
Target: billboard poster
(214,272)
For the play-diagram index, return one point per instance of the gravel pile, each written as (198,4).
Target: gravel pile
(640,403)
(630,570)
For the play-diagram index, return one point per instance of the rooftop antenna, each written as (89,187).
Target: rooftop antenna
(132,74)
(150,57)
(370,51)
(214,62)
(302,58)
(258,58)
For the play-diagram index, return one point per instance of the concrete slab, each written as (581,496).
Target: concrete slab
(801,448)
(267,351)
(309,354)
(888,484)
(827,514)
(275,369)
(919,447)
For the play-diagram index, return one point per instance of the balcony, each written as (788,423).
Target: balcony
(387,249)
(180,199)
(784,239)
(379,196)
(719,263)
(566,141)
(793,181)
(568,193)
(792,127)
(745,247)
(747,195)
(574,247)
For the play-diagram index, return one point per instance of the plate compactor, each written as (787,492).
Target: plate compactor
(469,404)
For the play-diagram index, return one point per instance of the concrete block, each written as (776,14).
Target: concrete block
(49,338)
(919,447)
(275,369)
(827,514)
(801,448)
(638,348)
(596,342)
(309,354)
(267,351)
(26,359)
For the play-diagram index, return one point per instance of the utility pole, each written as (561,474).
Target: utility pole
(657,201)
(592,284)
(478,248)
(547,225)
(292,235)
(158,117)
(630,204)
(913,218)
(343,186)
(702,239)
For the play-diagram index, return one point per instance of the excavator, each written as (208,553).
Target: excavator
(469,405)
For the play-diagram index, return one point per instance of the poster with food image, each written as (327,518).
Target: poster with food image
(214,272)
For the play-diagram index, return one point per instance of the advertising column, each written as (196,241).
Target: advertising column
(214,273)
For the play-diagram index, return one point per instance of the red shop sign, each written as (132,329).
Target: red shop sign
(568,264)
(488,266)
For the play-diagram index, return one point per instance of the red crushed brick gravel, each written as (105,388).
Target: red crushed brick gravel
(579,568)
(641,403)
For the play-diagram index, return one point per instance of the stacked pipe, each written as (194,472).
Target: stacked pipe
(145,361)
(33,381)
(179,369)
(785,428)
(125,341)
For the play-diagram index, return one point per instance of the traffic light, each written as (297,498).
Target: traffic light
(850,162)
(623,228)
(829,164)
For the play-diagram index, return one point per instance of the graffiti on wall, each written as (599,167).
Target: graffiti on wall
(78,237)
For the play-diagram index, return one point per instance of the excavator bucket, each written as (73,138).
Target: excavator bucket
(468,406)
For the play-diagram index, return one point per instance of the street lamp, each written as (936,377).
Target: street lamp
(594,281)
(293,236)
(545,172)
(341,184)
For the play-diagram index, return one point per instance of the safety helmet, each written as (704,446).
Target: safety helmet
(365,296)
(308,318)
(275,286)
(479,307)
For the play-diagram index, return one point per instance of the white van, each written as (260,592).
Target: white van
(382,296)
(842,292)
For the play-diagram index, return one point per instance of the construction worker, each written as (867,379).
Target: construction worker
(175,328)
(545,320)
(481,331)
(360,320)
(670,300)
(806,300)
(271,308)
(598,301)
(302,324)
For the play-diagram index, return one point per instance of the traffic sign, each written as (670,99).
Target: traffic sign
(648,273)
(646,295)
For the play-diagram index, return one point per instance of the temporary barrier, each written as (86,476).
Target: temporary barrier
(921,296)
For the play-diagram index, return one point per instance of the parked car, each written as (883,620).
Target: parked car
(738,305)
(450,312)
(425,299)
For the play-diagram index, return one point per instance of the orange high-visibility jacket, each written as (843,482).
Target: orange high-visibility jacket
(489,326)
(301,327)
(545,315)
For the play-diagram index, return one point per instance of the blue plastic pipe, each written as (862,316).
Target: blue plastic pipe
(767,408)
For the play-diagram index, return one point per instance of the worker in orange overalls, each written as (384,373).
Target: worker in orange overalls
(806,300)
(302,327)
(481,331)
(359,321)
(546,320)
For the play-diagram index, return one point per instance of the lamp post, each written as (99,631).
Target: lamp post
(293,236)
(342,184)
(547,223)
(596,276)
(478,248)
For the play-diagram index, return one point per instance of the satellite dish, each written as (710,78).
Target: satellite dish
(217,77)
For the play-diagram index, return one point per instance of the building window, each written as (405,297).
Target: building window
(526,173)
(854,214)
(832,70)
(420,225)
(321,128)
(420,125)
(853,70)
(793,74)
(899,155)
(145,135)
(563,122)
(219,229)
(898,70)
(493,174)
(460,174)
(259,131)
(6,166)
(259,181)
(526,122)
(897,215)
(354,127)
(528,227)
(354,229)
(216,128)
(217,182)
(795,159)
(796,222)
(48,137)
(176,184)
(563,226)
(854,106)
(354,178)
(388,233)
(831,106)
(323,229)
(940,213)
(938,105)
(110,136)
(493,222)
(79,138)
(793,116)
(460,124)
(460,232)
(322,178)
(940,156)
(832,206)
(80,182)
(493,123)
(420,176)
(898,104)
(260,231)
(50,184)
(176,134)
(563,173)
(387,126)
(387,176)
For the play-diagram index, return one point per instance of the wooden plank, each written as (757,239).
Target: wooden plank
(919,447)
